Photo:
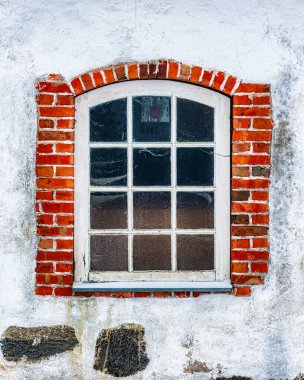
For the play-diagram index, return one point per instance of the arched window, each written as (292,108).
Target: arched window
(152,187)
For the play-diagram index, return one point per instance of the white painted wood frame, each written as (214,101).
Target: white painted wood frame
(221,188)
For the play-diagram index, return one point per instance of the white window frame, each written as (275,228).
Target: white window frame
(181,280)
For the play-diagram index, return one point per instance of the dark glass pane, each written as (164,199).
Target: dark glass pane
(151,252)
(151,167)
(109,210)
(108,166)
(151,118)
(109,253)
(108,121)
(195,252)
(195,210)
(152,210)
(195,121)
(195,166)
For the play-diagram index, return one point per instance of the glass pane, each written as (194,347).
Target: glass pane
(195,121)
(151,167)
(109,210)
(151,118)
(195,166)
(151,252)
(195,252)
(152,210)
(195,210)
(108,166)
(109,253)
(108,121)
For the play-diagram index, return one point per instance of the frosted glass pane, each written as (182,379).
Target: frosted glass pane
(151,252)
(195,252)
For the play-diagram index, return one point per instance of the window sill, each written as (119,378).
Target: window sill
(149,286)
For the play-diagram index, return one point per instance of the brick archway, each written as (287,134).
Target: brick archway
(251,138)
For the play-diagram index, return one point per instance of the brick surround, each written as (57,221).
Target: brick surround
(251,139)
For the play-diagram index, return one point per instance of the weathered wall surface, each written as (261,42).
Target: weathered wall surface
(258,41)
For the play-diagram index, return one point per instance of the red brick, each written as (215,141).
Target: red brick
(197,294)
(43,291)
(259,195)
(57,207)
(244,291)
(87,82)
(55,77)
(239,267)
(239,219)
(65,100)
(249,207)
(185,72)
(247,279)
(240,148)
(45,99)
(182,294)
(45,243)
(122,295)
(65,124)
(45,219)
(65,220)
(206,78)
(44,267)
(249,231)
(44,171)
(98,79)
(64,171)
(249,255)
(54,231)
(53,87)
(54,256)
(240,171)
(262,124)
(251,136)
(45,148)
(153,69)
(251,87)
(44,195)
(173,70)
(162,69)
(162,294)
(108,73)
(218,80)
(251,111)
(250,183)
(46,124)
(66,292)
(55,159)
(260,243)
(54,183)
(64,244)
(260,219)
(240,243)
(261,147)
(64,195)
(229,85)
(120,72)
(55,136)
(241,100)
(103,294)
(133,71)
(250,159)
(66,268)
(239,196)
(259,267)
(77,86)
(57,111)
(243,123)
(142,294)
(262,100)
(64,148)
(143,71)
(195,74)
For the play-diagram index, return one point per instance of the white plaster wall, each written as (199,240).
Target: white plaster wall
(258,41)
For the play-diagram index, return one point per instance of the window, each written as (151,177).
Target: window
(152,183)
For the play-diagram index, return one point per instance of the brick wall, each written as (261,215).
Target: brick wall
(251,138)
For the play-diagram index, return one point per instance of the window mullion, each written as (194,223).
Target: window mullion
(173,184)
(130,183)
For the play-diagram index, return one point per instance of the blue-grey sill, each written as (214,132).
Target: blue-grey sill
(153,286)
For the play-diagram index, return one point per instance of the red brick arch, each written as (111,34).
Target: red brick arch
(251,138)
